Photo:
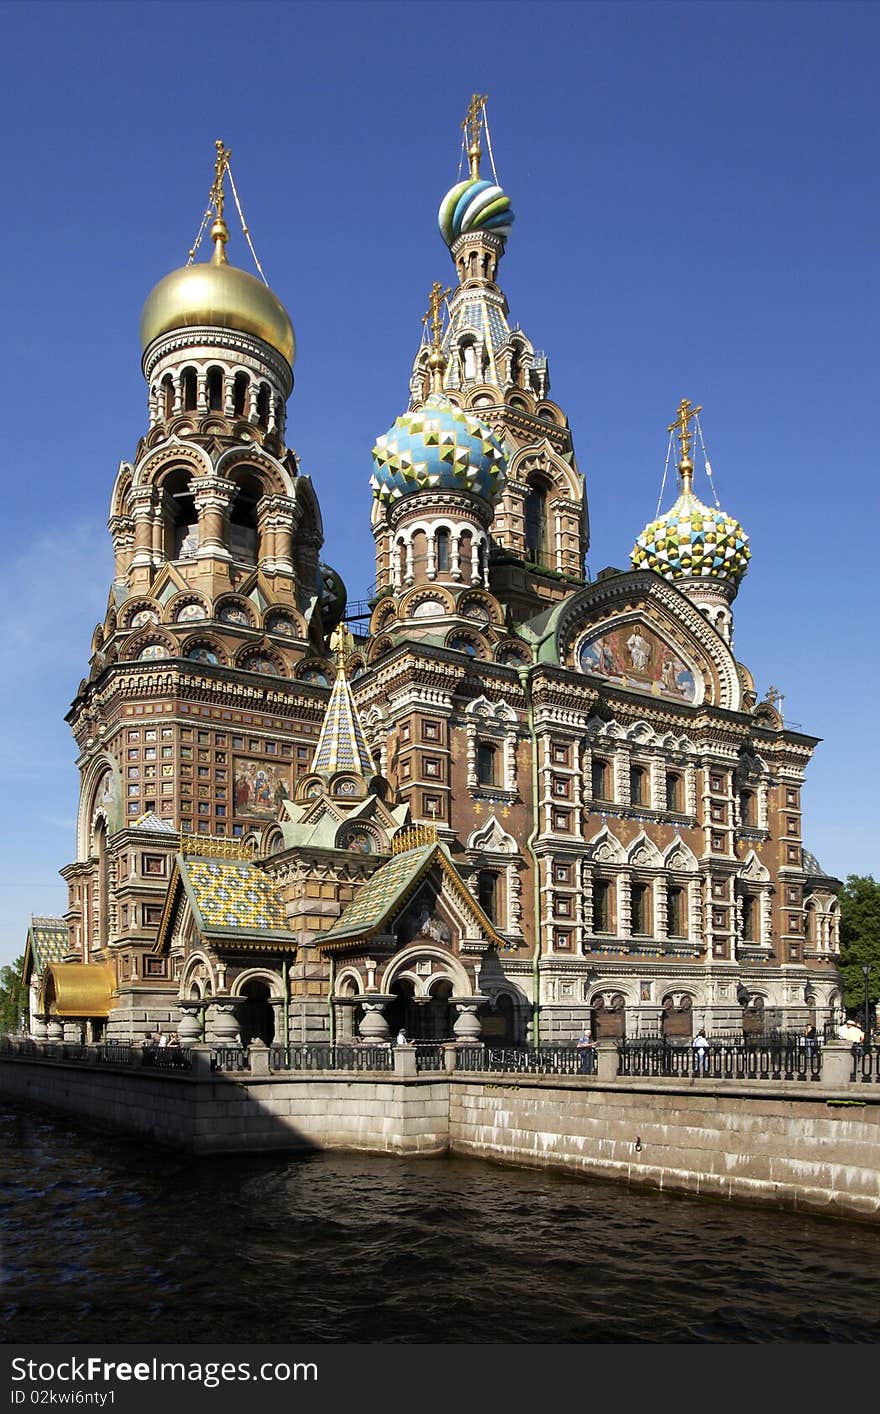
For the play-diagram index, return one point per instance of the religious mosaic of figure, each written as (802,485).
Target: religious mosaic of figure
(313,675)
(259,788)
(361,841)
(144,616)
(191,612)
(200,654)
(281,624)
(235,614)
(424,921)
(633,656)
(153,650)
(259,663)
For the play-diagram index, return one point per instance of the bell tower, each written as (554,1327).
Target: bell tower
(540,530)
(209,675)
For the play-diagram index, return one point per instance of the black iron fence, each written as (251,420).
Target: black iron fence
(546,1060)
(429,1056)
(865,1063)
(167,1058)
(226,1058)
(330,1057)
(769,1059)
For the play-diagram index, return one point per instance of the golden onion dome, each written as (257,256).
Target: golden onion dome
(221,296)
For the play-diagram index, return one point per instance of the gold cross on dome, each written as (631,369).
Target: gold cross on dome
(686,411)
(474,117)
(221,167)
(435,300)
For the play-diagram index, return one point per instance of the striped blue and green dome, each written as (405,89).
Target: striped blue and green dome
(438,447)
(474,205)
(692,541)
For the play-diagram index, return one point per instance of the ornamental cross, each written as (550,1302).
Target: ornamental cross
(774,696)
(686,411)
(474,117)
(435,299)
(221,167)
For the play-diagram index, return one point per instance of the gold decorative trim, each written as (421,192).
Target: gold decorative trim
(217,847)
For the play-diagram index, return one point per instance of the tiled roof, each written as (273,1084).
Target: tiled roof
(231,895)
(379,896)
(151,822)
(48,941)
(342,744)
(383,896)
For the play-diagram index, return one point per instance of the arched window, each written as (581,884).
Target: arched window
(536,524)
(243,524)
(442,543)
(747,807)
(263,405)
(486,755)
(181,517)
(190,390)
(749,918)
(602,914)
(675,913)
(487,893)
(469,362)
(103,885)
(674,793)
(640,910)
(215,389)
(638,785)
(240,387)
(601,779)
(167,396)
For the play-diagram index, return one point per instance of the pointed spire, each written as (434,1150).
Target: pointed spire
(342,744)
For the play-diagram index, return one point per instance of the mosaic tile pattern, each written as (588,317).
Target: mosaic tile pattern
(342,744)
(230,893)
(438,447)
(48,941)
(691,541)
(378,897)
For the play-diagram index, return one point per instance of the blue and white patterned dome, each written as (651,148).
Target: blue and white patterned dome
(438,447)
(692,541)
(474,205)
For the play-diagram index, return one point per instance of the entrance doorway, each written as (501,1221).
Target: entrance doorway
(423,1019)
(255,1014)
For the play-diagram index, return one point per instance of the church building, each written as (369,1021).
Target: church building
(514,802)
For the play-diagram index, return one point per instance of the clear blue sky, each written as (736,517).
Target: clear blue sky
(696,195)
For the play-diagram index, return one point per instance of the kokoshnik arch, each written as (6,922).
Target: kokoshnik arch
(515,802)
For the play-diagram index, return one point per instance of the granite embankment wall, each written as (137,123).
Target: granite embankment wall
(799,1145)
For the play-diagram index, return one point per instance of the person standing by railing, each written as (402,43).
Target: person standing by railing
(701,1053)
(586,1049)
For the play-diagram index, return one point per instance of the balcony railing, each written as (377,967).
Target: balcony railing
(752,1060)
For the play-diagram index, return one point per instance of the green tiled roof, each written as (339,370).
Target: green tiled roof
(383,896)
(378,897)
(231,895)
(48,941)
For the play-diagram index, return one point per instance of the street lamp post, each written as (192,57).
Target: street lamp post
(866,972)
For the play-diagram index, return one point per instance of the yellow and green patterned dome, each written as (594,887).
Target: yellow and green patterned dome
(693,541)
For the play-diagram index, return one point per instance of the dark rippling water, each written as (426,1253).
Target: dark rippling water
(106,1238)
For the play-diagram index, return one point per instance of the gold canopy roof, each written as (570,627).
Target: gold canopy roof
(77,989)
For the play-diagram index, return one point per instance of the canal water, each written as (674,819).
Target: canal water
(105,1238)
